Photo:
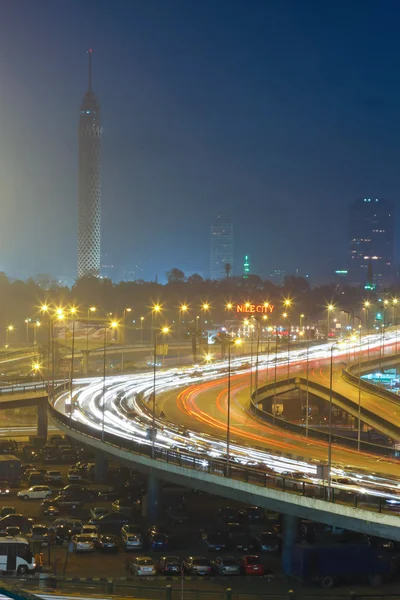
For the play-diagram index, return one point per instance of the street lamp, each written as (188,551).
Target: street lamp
(301,320)
(164,331)
(27,321)
(126,310)
(113,325)
(91,310)
(155,311)
(236,342)
(182,310)
(285,316)
(35,325)
(205,307)
(9,328)
(141,329)
(395,302)
(36,368)
(367,304)
(336,344)
(329,309)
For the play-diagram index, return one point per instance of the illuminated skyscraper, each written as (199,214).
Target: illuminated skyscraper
(90,132)
(246,267)
(370,242)
(221,247)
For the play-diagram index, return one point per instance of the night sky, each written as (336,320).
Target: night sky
(277,112)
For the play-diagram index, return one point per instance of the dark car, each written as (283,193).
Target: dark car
(267,541)
(4,488)
(169,565)
(215,541)
(30,453)
(110,523)
(255,514)
(228,514)
(196,565)
(239,538)
(65,532)
(79,492)
(63,502)
(50,454)
(16,520)
(7,510)
(108,543)
(159,541)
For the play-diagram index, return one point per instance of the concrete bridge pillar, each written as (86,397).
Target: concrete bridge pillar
(101,468)
(290,533)
(151,500)
(42,420)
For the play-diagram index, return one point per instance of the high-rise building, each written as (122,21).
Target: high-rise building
(246,267)
(370,241)
(90,132)
(221,247)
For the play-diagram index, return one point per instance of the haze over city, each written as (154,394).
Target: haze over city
(279,113)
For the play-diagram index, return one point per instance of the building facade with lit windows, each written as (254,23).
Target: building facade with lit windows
(371,238)
(221,246)
(89,200)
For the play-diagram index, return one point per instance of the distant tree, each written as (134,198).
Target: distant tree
(195,279)
(228,269)
(45,281)
(175,276)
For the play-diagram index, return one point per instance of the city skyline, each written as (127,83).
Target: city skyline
(173,156)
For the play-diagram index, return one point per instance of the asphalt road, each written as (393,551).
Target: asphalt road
(204,406)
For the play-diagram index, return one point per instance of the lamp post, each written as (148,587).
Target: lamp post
(164,330)
(307,378)
(112,325)
(155,311)
(126,310)
(205,307)
(257,353)
(182,309)
(141,330)
(275,373)
(301,320)
(359,391)
(330,307)
(72,369)
(236,342)
(285,315)
(367,304)
(9,328)
(27,321)
(35,327)
(330,420)
(91,309)
(395,303)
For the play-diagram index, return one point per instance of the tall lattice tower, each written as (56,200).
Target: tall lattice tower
(90,132)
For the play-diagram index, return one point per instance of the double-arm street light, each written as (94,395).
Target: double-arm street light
(182,310)
(9,329)
(335,345)
(113,325)
(330,308)
(90,311)
(236,342)
(126,310)
(165,330)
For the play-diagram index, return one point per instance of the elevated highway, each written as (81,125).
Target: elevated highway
(265,466)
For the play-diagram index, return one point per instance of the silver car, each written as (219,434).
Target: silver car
(82,543)
(226,565)
(143,565)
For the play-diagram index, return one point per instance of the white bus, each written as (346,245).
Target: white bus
(16,555)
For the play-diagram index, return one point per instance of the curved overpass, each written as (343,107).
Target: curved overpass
(266,467)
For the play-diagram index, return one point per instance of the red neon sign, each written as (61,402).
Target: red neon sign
(254,308)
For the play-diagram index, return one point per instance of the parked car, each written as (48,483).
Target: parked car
(38,533)
(143,565)
(225,565)
(74,474)
(7,510)
(228,514)
(16,520)
(158,540)
(177,513)
(79,491)
(30,453)
(82,543)
(92,532)
(4,488)
(255,514)
(170,565)
(13,530)
(63,502)
(50,510)
(251,565)
(73,525)
(108,543)
(98,511)
(239,538)
(215,542)
(35,478)
(196,565)
(127,506)
(36,492)
(267,541)
(110,523)
(50,454)
(132,537)
(51,476)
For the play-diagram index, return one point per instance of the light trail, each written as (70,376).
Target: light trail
(125,410)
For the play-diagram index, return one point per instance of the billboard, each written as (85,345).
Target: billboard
(94,332)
